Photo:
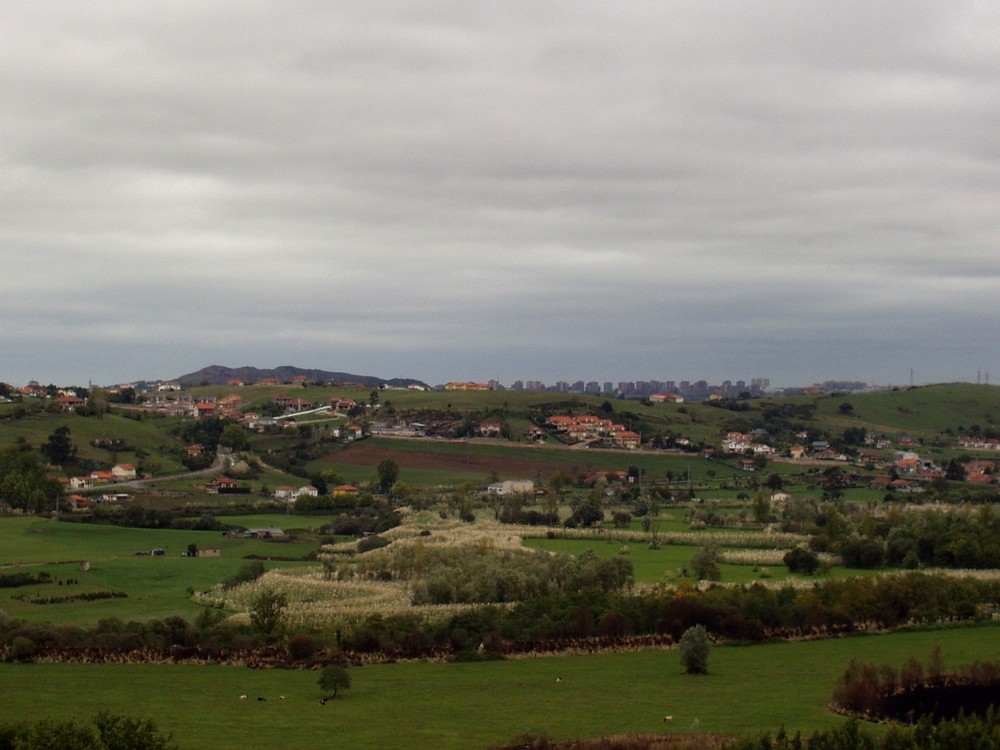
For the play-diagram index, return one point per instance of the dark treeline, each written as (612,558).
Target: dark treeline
(568,619)
(883,692)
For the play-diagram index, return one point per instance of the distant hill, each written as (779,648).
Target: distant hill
(220,375)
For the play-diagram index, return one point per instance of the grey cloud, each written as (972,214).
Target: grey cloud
(459,190)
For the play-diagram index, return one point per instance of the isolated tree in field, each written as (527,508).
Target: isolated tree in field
(266,612)
(694,647)
(58,448)
(388,474)
(334,678)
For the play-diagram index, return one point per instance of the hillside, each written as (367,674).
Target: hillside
(220,375)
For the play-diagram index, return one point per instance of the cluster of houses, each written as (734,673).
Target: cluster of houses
(905,470)
(118,473)
(595,431)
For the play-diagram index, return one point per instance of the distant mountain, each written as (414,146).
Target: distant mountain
(220,375)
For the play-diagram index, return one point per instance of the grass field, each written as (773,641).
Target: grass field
(663,565)
(156,586)
(148,437)
(472,705)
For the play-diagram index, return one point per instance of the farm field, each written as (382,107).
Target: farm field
(473,705)
(437,462)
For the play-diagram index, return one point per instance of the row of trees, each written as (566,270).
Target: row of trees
(961,537)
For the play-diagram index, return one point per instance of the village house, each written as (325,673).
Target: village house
(124,472)
(69,404)
(490,428)
(467,386)
(666,398)
(344,490)
(352,432)
(222,484)
(204,409)
(285,493)
(736,442)
(535,433)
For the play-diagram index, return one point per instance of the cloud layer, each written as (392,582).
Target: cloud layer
(525,190)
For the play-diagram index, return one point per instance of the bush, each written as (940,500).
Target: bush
(302,646)
(22,649)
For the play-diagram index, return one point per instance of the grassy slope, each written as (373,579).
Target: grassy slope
(473,705)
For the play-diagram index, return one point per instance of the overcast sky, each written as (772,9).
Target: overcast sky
(537,190)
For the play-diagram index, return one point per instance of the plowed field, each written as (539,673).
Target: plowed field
(371,455)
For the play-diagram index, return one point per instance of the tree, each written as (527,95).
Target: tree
(234,436)
(802,560)
(388,474)
(334,678)
(705,563)
(267,610)
(694,647)
(58,448)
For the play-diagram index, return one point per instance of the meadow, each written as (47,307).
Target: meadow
(473,705)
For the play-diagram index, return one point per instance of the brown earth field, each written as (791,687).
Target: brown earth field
(369,455)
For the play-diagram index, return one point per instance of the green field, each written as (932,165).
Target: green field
(472,705)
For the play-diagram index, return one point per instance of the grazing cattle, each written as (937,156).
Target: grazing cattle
(668,718)
(322,701)
(243,697)
(261,699)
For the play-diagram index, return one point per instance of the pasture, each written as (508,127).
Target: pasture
(473,705)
